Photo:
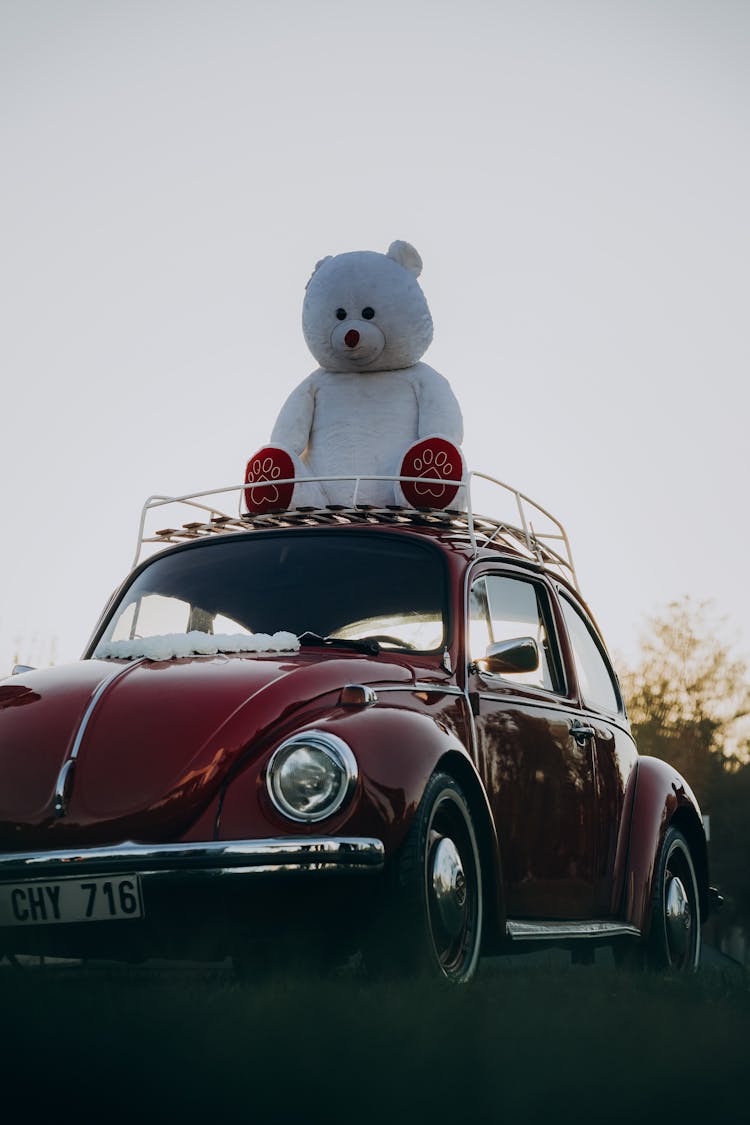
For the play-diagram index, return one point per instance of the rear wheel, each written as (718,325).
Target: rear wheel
(439,886)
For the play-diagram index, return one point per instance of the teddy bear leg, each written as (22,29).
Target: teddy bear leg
(437,462)
(309,494)
(273,464)
(267,466)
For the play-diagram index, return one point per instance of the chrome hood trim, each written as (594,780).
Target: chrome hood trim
(66,773)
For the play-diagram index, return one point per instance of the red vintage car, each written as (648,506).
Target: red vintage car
(393,731)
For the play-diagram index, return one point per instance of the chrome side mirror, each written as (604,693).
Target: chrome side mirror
(520,654)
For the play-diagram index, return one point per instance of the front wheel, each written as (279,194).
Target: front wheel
(439,886)
(675,938)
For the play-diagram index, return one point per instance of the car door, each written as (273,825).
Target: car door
(614,750)
(538,772)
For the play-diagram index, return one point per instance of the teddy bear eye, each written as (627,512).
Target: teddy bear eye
(368,313)
(341,314)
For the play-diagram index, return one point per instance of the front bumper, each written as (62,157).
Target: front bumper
(198,899)
(323,854)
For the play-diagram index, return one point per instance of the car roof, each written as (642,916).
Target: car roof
(474,536)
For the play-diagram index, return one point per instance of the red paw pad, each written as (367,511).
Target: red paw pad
(434,460)
(264,468)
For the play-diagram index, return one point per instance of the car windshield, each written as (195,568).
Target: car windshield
(349,585)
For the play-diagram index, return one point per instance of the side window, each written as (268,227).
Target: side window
(594,676)
(480,636)
(503,609)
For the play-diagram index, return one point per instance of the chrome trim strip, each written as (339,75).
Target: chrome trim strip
(98,693)
(512,697)
(65,775)
(369,695)
(438,689)
(64,781)
(311,853)
(547,931)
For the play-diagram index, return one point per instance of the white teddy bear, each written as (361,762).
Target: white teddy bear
(359,415)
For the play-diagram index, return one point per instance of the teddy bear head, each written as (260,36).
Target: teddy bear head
(365,311)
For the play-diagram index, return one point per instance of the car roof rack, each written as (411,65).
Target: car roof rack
(538,535)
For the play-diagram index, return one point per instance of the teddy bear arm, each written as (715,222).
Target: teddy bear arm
(439,412)
(292,429)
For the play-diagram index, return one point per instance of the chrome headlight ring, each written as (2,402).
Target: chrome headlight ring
(311,776)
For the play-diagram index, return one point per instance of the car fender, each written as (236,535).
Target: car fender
(660,798)
(463,770)
(398,755)
(397,751)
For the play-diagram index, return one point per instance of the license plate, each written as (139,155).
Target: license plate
(70,900)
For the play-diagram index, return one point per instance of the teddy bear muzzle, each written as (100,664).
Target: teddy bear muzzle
(357,343)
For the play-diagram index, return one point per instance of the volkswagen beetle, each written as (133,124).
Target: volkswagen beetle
(391,731)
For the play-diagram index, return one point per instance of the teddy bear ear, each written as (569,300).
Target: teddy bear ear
(406,256)
(317,267)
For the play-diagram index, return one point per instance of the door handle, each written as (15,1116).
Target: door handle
(581,733)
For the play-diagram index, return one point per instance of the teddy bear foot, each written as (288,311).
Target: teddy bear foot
(269,465)
(437,462)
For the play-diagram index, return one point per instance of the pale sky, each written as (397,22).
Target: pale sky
(575,176)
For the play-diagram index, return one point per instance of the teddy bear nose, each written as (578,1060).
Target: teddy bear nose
(352,338)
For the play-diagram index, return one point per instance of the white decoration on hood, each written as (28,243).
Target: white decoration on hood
(175,645)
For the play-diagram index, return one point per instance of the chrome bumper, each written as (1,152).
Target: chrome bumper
(322,854)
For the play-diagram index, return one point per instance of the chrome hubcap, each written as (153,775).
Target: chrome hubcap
(678,916)
(449,886)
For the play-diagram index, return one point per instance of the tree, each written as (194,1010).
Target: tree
(688,695)
(688,699)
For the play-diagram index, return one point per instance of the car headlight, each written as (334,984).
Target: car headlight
(311,775)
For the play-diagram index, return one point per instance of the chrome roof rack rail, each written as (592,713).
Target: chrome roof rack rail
(537,535)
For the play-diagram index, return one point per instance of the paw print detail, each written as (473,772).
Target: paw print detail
(437,463)
(263,469)
(258,472)
(434,466)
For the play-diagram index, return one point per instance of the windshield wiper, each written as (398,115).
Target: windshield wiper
(309,640)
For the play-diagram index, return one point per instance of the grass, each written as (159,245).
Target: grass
(552,1043)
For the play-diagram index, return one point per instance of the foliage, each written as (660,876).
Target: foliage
(688,695)
(688,699)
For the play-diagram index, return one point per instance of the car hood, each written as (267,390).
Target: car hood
(150,742)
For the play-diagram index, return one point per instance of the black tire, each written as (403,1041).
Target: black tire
(439,896)
(674,940)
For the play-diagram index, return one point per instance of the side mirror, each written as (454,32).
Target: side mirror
(520,654)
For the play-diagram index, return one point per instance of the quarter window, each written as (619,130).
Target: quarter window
(504,609)
(594,676)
